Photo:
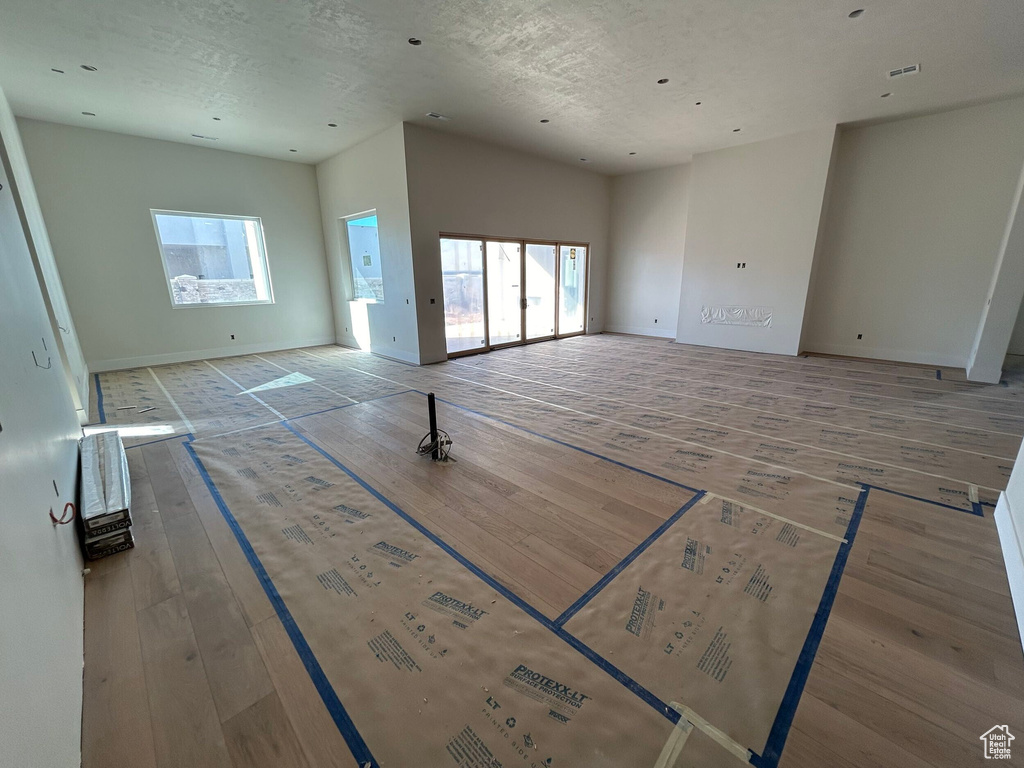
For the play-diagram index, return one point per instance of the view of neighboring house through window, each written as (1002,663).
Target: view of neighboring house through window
(211,259)
(364,250)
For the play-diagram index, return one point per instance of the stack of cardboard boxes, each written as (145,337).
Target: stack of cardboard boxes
(105,508)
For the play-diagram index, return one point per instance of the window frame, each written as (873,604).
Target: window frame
(344,221)
(154,212)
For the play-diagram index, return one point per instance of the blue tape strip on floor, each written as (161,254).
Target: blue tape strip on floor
(187,436)
(563,443)
(349,405)
(974,510)
(784,719)
(938,374)
(657,704)
(99,398)
(491,581)
(589,595)
(341,718)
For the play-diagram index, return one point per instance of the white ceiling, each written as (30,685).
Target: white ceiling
(278,71)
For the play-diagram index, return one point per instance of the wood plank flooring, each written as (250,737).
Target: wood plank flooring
(188,665)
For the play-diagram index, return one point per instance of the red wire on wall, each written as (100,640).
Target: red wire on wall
(63,519)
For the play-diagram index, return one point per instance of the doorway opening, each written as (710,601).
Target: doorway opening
(500,292)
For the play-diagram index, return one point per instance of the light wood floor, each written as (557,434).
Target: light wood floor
(188,665)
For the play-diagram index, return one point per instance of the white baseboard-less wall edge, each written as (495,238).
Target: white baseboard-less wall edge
(100,366)
(1012,542)
(635,330)
(886,353)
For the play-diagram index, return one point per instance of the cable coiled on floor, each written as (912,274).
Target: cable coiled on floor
(442,445)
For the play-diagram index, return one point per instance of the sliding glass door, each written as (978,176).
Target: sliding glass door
(540,291)
(503,292)
(462,273)
(572,289)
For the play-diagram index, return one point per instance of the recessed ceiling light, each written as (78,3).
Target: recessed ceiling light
(886,95)
(735,130)
(545,121)
(217,119)
(663,81)
(293,150)
(857,14)
(58,71)
(89,114)
(415,41)
(88,67)
(332,125)
(632,153)
(584,160)
(437,116)
(698,103)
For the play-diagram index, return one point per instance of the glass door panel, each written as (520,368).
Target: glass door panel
(504,292)
(540,291)
(572,289)
(462,270)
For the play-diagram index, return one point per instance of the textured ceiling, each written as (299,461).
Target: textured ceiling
(278,71)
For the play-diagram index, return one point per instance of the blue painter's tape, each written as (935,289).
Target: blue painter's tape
(784,719)
(349,405)
(657,704)
(974,510)
(99,398)
(360,751)
(187,436)
(587,596)
(491,581)
(565,444)
(976,506)
(938,374)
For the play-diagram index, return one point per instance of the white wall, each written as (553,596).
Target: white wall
(41,594)
(1017,337)
(918,210)
(1009,518)
(645,266)
(372,175)
(97,188)
(1002,303)
(460,185)
(761,204)
(71,358)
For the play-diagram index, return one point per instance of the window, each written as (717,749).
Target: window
(364,252)
(210,259)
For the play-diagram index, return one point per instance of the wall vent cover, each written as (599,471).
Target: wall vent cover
(910,69)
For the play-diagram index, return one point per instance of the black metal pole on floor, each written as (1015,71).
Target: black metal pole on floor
(436,453)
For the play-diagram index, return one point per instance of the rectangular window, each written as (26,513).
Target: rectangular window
(211,259)
(364,253)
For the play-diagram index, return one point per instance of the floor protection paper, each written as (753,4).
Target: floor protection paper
(433,664)
(714,615)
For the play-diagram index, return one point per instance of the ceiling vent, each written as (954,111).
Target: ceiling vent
(436,116)
(912,69)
